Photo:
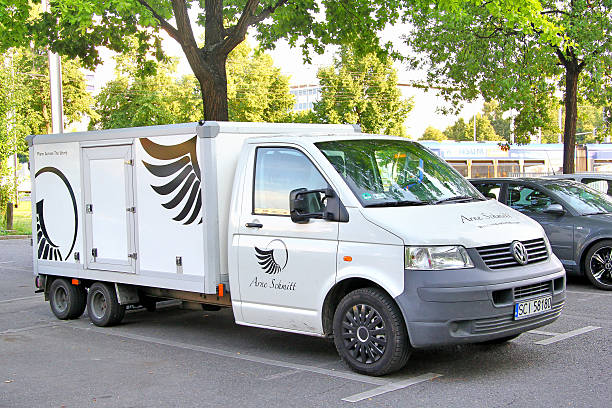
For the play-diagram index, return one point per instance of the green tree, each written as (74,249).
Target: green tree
(79,27)
(134,100)
(24,101)
(362,90)
(501,126)
(484,129)
(461,131)
(475,52)
(457,131)
(431,133)
(257,92)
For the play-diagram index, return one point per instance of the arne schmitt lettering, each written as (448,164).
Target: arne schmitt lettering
(488,219)
(272,259)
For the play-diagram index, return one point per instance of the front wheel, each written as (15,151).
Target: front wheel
(369,332)
(598,265)
(103,307)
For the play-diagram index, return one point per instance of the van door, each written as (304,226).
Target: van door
(109,208)
(284,267)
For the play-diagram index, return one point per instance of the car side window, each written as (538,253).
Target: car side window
(602,186)
(526,199)
(489,190)
(278,170)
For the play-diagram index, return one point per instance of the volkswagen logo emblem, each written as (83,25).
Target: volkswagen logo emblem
(519,252)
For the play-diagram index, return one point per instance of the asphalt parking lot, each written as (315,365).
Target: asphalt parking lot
(189,358)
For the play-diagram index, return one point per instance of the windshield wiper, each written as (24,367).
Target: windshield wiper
(402,203)
(460,198)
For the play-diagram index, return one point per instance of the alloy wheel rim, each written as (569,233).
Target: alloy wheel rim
(364,334)
(601,265)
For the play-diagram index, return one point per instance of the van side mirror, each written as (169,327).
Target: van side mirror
(555,209)
(305,204)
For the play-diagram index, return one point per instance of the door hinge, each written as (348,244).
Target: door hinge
(131,209)
(89,208)
(133,255)
(94,252)
(129,162)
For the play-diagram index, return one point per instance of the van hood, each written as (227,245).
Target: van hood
(472,224)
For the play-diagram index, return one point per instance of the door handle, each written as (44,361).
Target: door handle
(253,225)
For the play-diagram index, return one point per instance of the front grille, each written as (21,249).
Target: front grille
(532,290)
(496,324)
(500,256)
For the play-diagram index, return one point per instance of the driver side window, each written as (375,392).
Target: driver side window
(278,170)
(526,199)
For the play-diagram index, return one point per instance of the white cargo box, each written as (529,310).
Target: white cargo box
(144,206)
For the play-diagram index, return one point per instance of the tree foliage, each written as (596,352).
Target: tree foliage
(475,52)
(257,92)
(25,102)
(362,90)
(79,27)
(461,131)
(431,133)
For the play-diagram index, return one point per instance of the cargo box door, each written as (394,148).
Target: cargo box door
(109,208)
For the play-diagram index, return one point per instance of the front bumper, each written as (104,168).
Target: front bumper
(477,304)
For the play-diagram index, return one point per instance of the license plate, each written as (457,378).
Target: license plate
(532,307)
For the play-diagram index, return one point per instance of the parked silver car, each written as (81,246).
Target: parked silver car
(577,220)
(601,182)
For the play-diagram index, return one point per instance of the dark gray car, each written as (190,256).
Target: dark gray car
(577,220)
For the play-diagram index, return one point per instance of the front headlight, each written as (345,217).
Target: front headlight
(437,257)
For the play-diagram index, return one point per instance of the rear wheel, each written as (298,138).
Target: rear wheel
(102,305)
(369,332)
(67,301)
(598,265)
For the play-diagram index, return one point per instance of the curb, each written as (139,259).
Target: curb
(3,237)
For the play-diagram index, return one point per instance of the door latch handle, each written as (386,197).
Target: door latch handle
(253,225)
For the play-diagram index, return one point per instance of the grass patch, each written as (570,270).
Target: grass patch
(22,220)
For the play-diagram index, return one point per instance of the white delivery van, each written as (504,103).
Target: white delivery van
(313,229)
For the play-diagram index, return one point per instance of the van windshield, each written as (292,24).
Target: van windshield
(385,173)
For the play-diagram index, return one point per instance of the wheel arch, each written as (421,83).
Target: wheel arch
(337,292)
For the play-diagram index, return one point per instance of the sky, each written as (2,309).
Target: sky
(426,104)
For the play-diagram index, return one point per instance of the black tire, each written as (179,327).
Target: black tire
(103,307)
(67,301)
(370,334)
(501,340)
(598,264)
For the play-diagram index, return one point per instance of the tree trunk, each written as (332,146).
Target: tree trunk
(571,115)
(214,90)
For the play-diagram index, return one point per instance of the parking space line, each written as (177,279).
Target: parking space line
(394,386)
(582,292)
(562,336)
(229,354)
(23,298)
(543,333)
(40,326)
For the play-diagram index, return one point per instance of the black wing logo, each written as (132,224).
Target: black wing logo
(267,260)
(46,248)
(185,173)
